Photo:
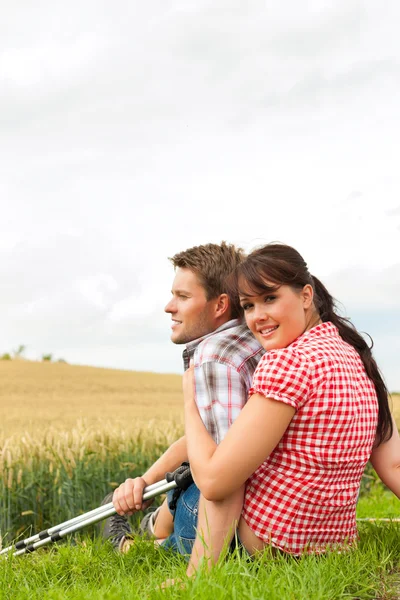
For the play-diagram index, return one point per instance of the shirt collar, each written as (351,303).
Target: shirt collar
(321,330)
(191,346)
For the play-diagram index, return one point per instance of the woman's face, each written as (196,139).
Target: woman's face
(276,319)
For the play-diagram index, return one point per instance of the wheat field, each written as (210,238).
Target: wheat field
(35,396)
(69,434)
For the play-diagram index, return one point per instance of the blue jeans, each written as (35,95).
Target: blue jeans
(185,521)
(185,524)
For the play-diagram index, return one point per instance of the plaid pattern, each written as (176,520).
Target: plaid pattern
(225,362)
(303,497)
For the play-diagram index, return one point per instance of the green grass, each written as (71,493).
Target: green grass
(91,570)
(86,568)
(379,503)
(375,500)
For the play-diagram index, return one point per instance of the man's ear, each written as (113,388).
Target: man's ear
(222,305)
(307,294)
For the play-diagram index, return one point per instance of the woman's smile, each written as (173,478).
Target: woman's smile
(267,331)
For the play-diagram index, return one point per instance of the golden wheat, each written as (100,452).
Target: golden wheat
(395,406)
(36,396)
(61,413)
(66,448)
(70,434)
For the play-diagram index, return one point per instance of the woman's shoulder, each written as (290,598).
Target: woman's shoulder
(310,350)
(285,375)
(283,357)
(291,374)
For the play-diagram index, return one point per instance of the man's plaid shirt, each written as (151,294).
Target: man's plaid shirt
(224,361)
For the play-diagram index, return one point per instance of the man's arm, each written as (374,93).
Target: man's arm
(169,461)
(128,496)
(386,461)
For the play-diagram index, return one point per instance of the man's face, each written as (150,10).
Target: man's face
(192,314)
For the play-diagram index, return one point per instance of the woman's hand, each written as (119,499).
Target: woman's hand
(188,384)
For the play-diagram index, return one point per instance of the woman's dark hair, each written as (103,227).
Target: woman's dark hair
(280,264)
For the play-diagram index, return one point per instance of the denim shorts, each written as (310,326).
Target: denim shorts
(185,521)
(185,524)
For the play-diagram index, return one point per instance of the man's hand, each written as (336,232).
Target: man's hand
(128,497)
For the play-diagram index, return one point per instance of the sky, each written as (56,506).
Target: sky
(130,131)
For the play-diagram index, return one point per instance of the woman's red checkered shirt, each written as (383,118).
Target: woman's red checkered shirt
(303,497)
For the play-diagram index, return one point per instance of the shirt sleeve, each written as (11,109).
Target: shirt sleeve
(220,393)
(283,375)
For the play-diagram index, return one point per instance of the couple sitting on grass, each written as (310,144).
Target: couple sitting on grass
(282,412)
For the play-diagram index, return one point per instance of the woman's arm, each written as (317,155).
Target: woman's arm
(386,461)
(220,470)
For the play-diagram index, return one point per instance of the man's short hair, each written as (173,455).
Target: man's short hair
(213,263)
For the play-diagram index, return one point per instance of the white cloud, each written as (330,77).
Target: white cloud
(27,66)
(365,289)
(130,307)
(131,131)
(95,289)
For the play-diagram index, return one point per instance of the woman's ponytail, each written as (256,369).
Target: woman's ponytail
(326,307)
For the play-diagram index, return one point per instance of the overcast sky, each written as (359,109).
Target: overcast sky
(132,130)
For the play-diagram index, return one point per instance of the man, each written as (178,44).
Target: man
(205,317)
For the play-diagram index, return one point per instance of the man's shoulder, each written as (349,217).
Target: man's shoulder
(234,345)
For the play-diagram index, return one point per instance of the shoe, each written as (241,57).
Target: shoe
(146,526)
(116,529)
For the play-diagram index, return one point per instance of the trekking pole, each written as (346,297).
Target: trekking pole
(104,514)
(378,519)
(93,516)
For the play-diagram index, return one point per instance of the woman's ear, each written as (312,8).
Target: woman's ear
(222,305)
(307,294)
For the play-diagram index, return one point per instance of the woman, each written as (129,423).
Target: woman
(317,409)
